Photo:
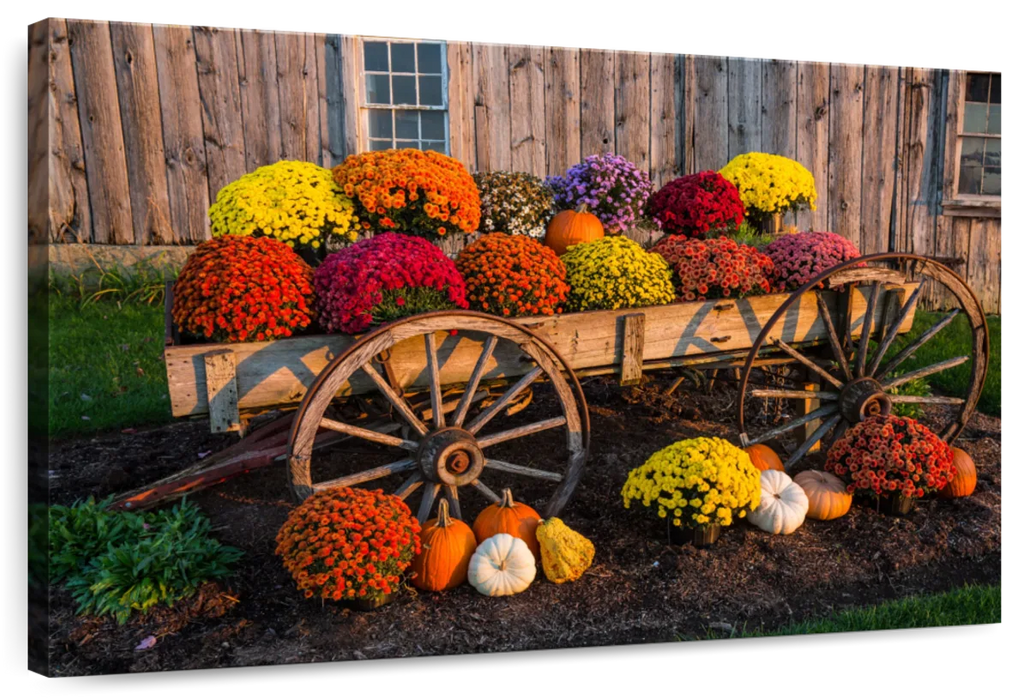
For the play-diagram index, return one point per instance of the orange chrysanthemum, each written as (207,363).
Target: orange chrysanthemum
(511,275)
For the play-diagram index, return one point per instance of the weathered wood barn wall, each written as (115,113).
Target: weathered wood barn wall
(145,123)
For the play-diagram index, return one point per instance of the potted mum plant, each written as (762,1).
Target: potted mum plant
(517,203)
(697,486)
(609,186)
(893,459)
(769,186)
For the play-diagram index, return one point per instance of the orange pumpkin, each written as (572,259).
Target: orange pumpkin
(963,484)
(827,496)
(570,227)
(447,547)
(512,517)
(764,458)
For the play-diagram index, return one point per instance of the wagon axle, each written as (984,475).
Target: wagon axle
(450,456)
(864,398)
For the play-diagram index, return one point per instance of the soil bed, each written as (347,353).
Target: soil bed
(640,588)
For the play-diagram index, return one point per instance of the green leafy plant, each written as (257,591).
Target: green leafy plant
(119,563)
(744,234)
(141,283)
(916,387)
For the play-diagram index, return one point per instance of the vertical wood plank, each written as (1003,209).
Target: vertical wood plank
(69,215)
(711,114)
(351,67)
(779,108)
(218,77)
(632,107)
(492,107)
(878,174)
(297,98)
(312,113)
(461,103)
(324,158)
(135,69)
(562,101)
(685,89)
(259,98)
(222,392)
(664,96)
(845,118)
(40,119)
(984,263)
(334,127)
(744,99)
(950,96)
(597,102)
(528,110)
(915,180)
(183,127)
(103,142)
(633,327)
(813,139)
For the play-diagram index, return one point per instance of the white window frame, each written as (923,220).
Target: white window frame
(365,107)
(981,199)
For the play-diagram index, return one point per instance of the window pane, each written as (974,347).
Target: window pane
(380,123)
(438,146)
(977,88)
(995,89)
(431,90)
(380,145)
(968,180)
(403,90)
(403,58)
(432,125)
(378,89)
(971,151)
(992,153)
(376,55)
(429,58)
(993,125)
(975,118)
(407,124)
(407,144)
(991,181)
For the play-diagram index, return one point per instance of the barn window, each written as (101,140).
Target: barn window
(979,136)
(404,95)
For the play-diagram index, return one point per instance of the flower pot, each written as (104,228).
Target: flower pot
(369,604)
(700,536)
(772,223)
(899,504)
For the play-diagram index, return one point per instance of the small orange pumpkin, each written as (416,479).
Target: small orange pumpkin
(570,227)
(963,483)
(447,547)
(512,517)
(827,496)
(764,458)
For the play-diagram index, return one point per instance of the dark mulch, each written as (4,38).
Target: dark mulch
(640,589)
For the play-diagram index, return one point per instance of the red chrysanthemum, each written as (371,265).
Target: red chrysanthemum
(692,205)
(800,257)
(715,267)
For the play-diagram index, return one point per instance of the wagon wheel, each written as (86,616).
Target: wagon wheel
(853,381)
(447,453)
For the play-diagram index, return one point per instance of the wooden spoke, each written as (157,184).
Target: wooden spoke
(473,381)
(524,471)
(435,394)
(485,491)
(848,298)
(866,329)
(834,340)
(814,437)
(453,500)
(925,371)
(821,412)
(370,435)
(398,402)
(428,499)
(943,400)
(891,334)
(506,435)
(794,394)
(410,486)
(367,475)
(908,350)
(810,364)
(494,409)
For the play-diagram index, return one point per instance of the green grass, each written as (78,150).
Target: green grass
(954,341)
(971,605)
(105,366)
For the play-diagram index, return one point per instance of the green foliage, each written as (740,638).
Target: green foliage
(118,563)
(916,387)
(408,301)
(141,283)
(745,234)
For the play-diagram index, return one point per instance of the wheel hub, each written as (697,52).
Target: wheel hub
(450,456)
(864,398)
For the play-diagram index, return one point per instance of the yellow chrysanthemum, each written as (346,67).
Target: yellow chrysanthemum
(615,272)
(770,184)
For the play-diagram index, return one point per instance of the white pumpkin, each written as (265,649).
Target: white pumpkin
(501,565)
(783,504)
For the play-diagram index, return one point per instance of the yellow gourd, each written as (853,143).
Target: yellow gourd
(565,553)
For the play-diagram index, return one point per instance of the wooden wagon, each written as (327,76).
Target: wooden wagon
(824,349)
